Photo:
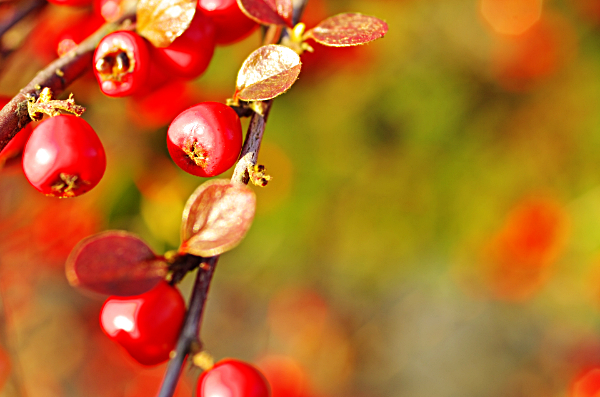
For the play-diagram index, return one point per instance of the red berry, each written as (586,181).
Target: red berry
(232,378)
(206,139)
(146,325)
(73,3)
(230,22)
(64,157)
(122,63)
(189,55)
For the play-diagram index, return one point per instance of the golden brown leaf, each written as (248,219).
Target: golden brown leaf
(162,21)
(268,72)
(216,217)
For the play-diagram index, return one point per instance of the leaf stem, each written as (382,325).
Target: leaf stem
(191,326)
(57,76)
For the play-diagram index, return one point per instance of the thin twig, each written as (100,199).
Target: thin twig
(248,158)
(58,75)
(190,331)
(249,155)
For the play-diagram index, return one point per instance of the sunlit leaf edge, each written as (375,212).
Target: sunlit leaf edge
(376,34)
(245,93)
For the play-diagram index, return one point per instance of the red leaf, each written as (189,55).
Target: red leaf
(114,263)
(268,12)
(344,30)
(216,217)
(268,72)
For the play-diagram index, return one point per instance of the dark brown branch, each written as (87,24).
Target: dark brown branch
(57,76)
(190,331)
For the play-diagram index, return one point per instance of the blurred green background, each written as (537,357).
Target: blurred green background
(432,227)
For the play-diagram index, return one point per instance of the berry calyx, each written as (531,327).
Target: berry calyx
(122,63)
(146,325)
(232,378)
(64,157)
(231,23)
(205,140)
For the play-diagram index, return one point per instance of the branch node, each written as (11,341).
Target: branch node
(44,104)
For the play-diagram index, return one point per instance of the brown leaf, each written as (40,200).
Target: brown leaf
(268,12)
(268,72)
(344,30)
(162,21)
(114,263)
(216,217)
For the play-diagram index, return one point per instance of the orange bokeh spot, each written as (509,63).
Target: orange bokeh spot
(286,377)
(511,17)
(298,313)
(521,62)
(587,385)
(521,253)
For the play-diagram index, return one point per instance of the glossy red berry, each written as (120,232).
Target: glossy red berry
(232,378)
(230,22)
(190,54)
(122,63)
(64,157)
(206,139)
(146,325)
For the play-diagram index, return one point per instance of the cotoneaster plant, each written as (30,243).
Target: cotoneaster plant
(136,54)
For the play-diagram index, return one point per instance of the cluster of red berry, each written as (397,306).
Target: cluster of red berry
(148,327)
(64,157)
(126,63)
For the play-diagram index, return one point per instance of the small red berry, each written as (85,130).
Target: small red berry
(64,157)
(232,378)
(206,139)
(190,54)
(146,325)
(122,63)
(230,22)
